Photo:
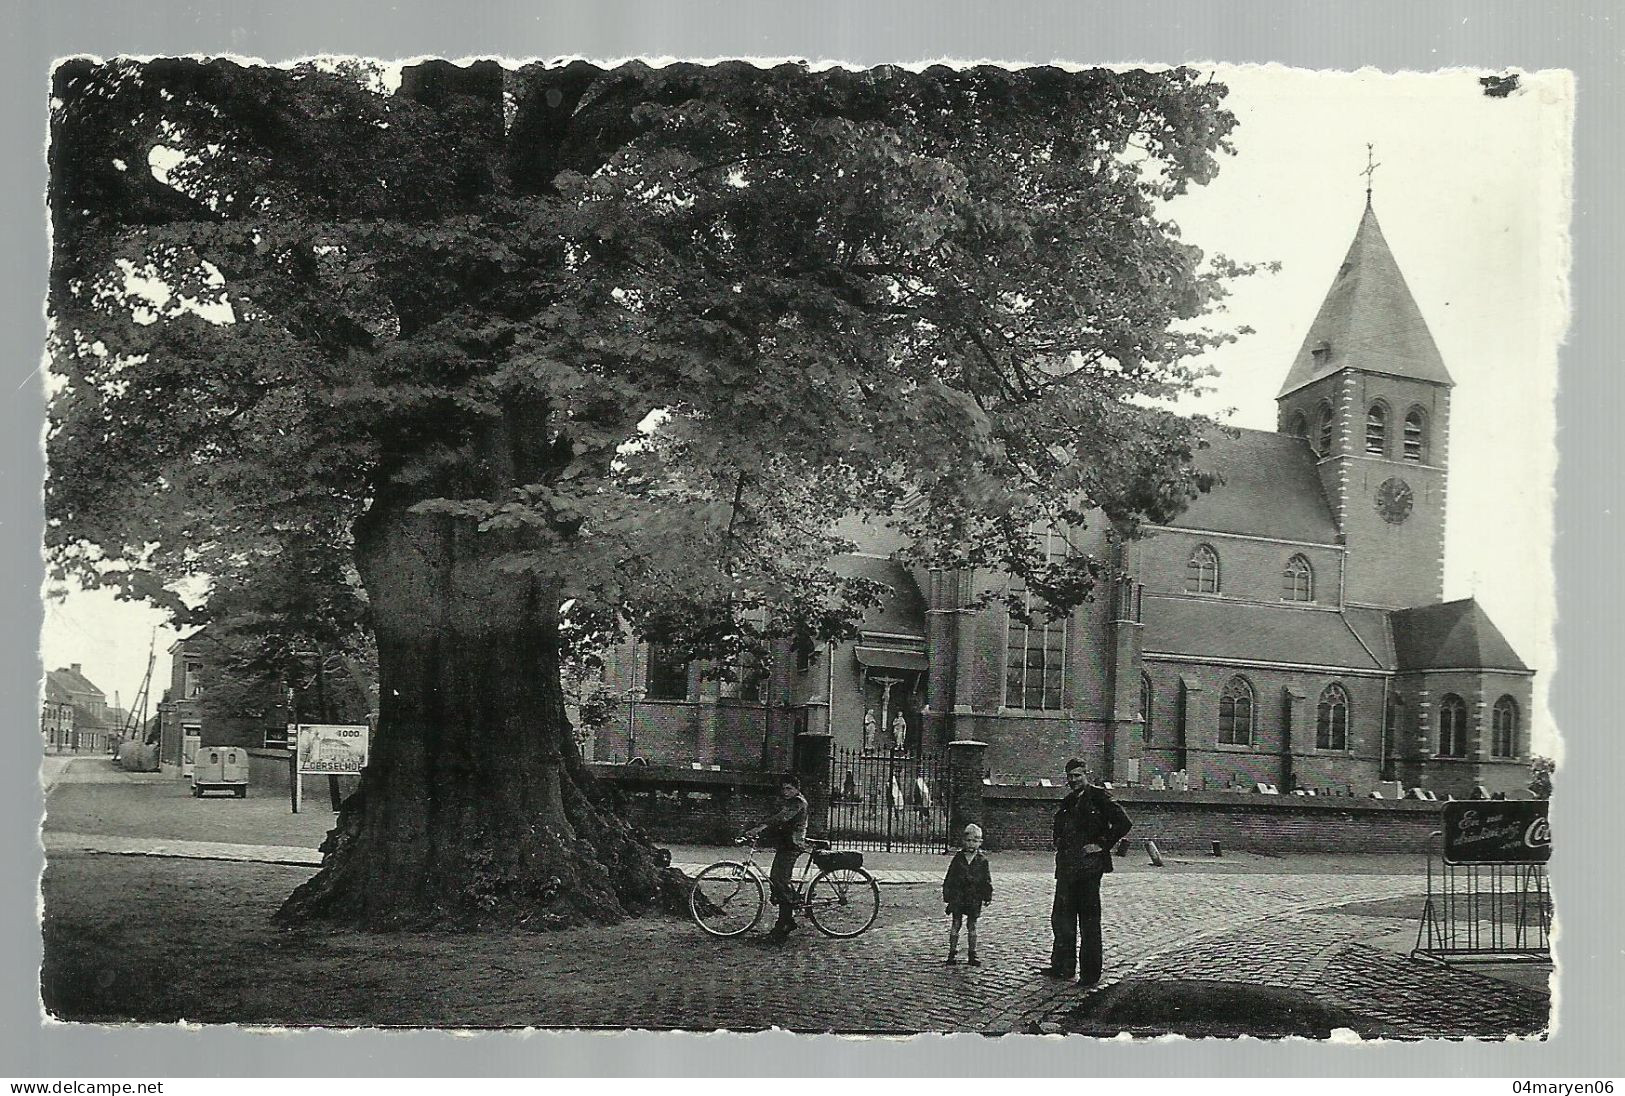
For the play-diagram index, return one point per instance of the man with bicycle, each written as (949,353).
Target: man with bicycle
(787,831)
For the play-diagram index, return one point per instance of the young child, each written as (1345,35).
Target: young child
(967,888)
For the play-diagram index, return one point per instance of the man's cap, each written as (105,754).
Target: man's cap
(1076,763)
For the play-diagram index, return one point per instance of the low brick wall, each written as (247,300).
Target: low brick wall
(1021,818)
(689,806)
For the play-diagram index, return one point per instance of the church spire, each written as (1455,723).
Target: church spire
(1369,321)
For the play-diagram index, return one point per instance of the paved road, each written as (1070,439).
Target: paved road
(1260,928)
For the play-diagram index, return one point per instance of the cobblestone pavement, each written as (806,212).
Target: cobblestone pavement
(1329,955)
(1279,929)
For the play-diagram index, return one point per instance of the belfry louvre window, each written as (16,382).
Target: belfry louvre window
(1504,728)
(1452,727)
(1376,430)
(1299,427)
(1035,655)
(1332,719)
(1298,580)
(1236,713)
(1416,435)
(1145,706)
(1202,571)
(1324,443)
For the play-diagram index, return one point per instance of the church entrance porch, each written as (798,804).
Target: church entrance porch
(889,800)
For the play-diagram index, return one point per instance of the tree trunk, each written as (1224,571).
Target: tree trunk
(476,808)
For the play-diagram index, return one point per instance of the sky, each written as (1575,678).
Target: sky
(1472,194)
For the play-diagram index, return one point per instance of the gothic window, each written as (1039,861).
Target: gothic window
(1298,580)
(1452,727)
(1236,713)
(1323,445)
(1504,728)
(1035,655)
(1145,706)
(192,677)
(1332,719)
(1299,427)
(1376,429)
(1416,435)
(667,675)
(1202,571)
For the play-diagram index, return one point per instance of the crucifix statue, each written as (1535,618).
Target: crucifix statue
(885,699)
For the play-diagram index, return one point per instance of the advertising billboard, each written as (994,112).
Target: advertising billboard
(1497,831)
(332,748)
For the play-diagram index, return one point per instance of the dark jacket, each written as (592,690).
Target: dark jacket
(968,886)
(1087,817)
(787,830)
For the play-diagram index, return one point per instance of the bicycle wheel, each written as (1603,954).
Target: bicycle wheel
(843,902)
(727,899)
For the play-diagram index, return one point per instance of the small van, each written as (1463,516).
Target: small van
(220,769)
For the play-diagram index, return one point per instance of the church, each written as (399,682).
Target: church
(1287,629)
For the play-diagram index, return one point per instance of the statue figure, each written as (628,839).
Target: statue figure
(899,733)
(869,731)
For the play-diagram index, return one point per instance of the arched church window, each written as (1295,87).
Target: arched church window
(1202,571)
(667,674)
(1332,719)
(1416,435)
(1452,726)
(1298,580)
(1376,429)
(1298,427)
(1323,443)
(1236,713)
(1145,706)
(1504,728)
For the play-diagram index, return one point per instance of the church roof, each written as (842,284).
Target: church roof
(1204,628)
(1369,320)
(1270,489)
(1456,634)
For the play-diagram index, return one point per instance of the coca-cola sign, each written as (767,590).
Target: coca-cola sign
(1496,831)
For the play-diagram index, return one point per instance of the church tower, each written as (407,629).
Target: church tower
(1370,394)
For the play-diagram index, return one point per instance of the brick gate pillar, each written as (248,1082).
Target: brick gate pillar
(967,762)
(812,766)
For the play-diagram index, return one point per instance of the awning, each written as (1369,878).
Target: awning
(885,658)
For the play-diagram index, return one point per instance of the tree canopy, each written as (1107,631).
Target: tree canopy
(931,296)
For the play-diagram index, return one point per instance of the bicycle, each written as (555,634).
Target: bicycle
(842,901)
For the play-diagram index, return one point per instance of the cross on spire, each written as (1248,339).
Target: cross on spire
(1370,169)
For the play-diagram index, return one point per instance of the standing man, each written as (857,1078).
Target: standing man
(1087,825)
(787,831)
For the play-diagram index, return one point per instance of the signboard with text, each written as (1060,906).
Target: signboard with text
(1497,831)
(331,748)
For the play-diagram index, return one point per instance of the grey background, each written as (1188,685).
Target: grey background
(1393,35)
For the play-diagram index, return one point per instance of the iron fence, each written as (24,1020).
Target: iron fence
(889,800)
(1485,912)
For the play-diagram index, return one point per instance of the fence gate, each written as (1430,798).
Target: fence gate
(892,801)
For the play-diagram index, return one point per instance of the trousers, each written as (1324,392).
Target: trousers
(778,877)
(969,921)
(1075,921)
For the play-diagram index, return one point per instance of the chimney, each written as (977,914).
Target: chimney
(76,667)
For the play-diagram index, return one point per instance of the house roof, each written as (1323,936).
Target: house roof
(1453,635)
(1369,320)
(72,681)
(904,611)
(54,692)
(1204,628)
(1270,488)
